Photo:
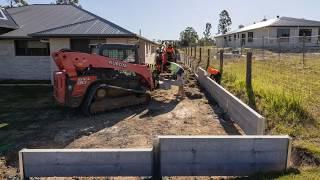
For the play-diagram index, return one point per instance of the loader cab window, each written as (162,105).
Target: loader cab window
(127,53)
(122,54)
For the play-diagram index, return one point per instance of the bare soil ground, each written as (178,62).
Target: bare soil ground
(133,127)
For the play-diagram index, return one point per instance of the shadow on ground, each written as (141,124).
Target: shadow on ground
(157,108)
(227,124)
(30,118)
(271,175)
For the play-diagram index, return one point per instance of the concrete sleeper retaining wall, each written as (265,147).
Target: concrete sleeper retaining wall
(85,162)
(222,155)
(170,156)
(251,122)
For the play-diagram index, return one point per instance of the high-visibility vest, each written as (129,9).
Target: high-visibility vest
(213,71)
(170,50)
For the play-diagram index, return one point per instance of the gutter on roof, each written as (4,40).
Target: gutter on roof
(15,37)
(294,26)
(90,35)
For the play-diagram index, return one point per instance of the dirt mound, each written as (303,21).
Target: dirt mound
(302,157)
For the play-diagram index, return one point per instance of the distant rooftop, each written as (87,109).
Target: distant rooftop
(277,22)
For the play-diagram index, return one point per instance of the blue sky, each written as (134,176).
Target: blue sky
(165,19)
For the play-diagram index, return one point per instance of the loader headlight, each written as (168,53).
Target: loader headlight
(69,87)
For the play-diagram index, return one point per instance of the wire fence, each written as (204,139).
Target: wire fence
(289,73)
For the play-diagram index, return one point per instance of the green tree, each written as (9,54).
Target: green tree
(207,31)
(224,22)
(73,2)
(206,40)
(189,37)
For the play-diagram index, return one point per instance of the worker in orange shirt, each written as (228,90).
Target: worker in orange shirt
(215,74)
(170,53)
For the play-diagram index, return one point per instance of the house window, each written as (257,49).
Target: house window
(283,35)
(319,34)
(307,33)
(229,38)
(243,39)
(235,37)
(250,36)
(153,49)
(31,48)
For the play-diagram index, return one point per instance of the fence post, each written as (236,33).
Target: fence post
(249,70)
(200,54)
(263,48)
(279,48)
(208,60)
(303,49)
(195,52)
(191,51)
(221,61)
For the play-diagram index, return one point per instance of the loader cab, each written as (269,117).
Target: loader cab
(124,52)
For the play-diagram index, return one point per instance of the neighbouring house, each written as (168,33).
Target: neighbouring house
(29,34)
(281,32)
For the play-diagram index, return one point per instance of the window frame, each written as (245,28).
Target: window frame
(283,38)
(153,49)
(308,37)
(243,39)
(250,39)
(27,51)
